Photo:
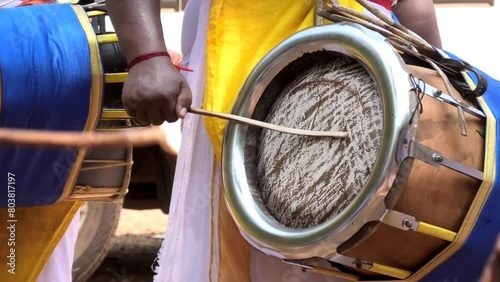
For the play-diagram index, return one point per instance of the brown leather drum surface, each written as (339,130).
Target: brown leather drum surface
(305,181)
(438,196)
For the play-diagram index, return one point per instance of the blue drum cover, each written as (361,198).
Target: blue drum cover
(46,81)
(467,264)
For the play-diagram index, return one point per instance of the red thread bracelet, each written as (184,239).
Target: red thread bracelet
(148,56)
(144,57)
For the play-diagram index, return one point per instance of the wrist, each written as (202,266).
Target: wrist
(151,55)
(147,56)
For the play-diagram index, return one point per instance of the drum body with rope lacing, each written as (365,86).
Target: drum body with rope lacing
(62,71)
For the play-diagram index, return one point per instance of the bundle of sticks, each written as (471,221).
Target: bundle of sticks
(411,46)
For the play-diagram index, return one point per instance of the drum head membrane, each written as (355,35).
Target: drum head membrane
(305,181)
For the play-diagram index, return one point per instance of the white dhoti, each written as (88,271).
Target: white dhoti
(60,264)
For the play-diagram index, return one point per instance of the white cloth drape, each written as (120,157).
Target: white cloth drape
(185,252)
(59,266)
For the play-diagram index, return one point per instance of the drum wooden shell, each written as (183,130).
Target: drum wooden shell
(438,196)
(293,197)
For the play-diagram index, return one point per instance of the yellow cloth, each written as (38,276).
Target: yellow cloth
(35,235)
(240,34)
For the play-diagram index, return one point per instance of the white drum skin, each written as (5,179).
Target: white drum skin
(305,181)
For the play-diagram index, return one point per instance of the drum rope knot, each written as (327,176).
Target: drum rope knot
(419,92)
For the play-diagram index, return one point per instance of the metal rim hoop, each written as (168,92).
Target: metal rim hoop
(388,71)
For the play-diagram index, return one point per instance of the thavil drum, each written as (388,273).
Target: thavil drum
(383,202)
(61,71)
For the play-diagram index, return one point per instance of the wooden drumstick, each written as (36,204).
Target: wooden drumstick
(129,137)
(274,127)
(123,138)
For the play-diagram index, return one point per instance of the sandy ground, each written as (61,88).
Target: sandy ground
(139,234)
(133,222)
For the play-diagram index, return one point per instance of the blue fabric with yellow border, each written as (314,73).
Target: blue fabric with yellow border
(46,84)
(468,263)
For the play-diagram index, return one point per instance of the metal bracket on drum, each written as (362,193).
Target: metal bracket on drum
(411,148)
(372,267)
(354,263)
(437,94)
(435,158)
(322,270)
(399,220)
(407,222)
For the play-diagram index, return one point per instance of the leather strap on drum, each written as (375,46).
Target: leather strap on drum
(454,69)
(457,79)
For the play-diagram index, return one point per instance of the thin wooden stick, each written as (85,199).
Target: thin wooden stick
(461,115)
(130,137)
(336,8)
(123,138)
(274,127)
(339,17)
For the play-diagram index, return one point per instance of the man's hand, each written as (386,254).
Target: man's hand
(155,92)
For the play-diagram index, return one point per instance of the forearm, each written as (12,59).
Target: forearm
(420,17)
(138,26)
